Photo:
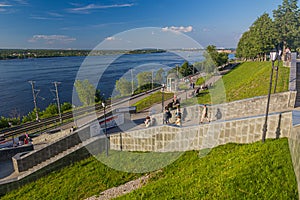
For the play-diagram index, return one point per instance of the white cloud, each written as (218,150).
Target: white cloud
(22,2)
(51,39)
(86,9)
(54,14)
(178,29)
(110,38)
(5,5)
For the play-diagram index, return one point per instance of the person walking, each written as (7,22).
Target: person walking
(204,115)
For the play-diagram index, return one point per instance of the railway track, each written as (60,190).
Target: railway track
(52,122)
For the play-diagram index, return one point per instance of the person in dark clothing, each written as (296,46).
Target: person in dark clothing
(167,116)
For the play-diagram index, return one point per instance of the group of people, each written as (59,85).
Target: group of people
(168,116)
(22,140)
(175,104)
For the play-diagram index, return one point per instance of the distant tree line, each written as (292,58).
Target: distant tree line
(283,31)
(39,53)
(44,53)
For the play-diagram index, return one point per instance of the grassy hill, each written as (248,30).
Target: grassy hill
(247,80)
(231,171)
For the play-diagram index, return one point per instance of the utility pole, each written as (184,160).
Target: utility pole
(131,82)
(57,100)
(152,80)
(34,99)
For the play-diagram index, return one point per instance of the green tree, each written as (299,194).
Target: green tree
(31,116)
(66,106)
(286,19)
(246,46)
(3,122)
(186,69)
(259,40)
(98,96)
(218,59)
(50,111)
(144,78)
(86,92)
(124,87)
(159,76)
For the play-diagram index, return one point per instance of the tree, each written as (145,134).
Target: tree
(143,78)
(124,87)
(3,122)
(86,92)
(186,69)
(31,116)
(50,111)
(258,40)
(159,76)
(66,106)
(286,19)
(219,59)
(98,96)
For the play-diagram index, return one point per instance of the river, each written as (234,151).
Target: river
(16,93)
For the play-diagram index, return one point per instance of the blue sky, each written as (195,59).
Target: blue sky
(83,24)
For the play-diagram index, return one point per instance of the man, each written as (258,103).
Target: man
(204,115)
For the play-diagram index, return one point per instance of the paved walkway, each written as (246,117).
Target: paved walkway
(139,118)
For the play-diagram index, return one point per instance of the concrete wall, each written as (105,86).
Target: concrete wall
(239,109)
(8,153)
(294,144)
(168,138)
(23,162)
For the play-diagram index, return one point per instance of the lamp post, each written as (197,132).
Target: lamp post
(273,57)
(162,97)
(276,68)
(105,130)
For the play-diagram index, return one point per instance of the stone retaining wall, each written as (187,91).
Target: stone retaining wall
(168,138)
(294,144)
(23,162)
(238,109)
(8,153)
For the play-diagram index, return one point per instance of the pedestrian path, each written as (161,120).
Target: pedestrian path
(157,108)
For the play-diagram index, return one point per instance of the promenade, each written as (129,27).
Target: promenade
(137,123)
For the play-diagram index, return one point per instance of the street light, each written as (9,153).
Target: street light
(276,68)
(105,130)
(273,57)
(162,97)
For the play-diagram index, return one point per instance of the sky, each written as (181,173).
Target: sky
(83,24)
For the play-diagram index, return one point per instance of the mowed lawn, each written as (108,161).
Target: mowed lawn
(231,171)
(247,80)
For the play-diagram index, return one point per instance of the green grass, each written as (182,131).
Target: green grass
(231,171)
(201,80)
(81,180)
(152,99)
(247,80)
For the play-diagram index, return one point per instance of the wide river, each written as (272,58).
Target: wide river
(103,71)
